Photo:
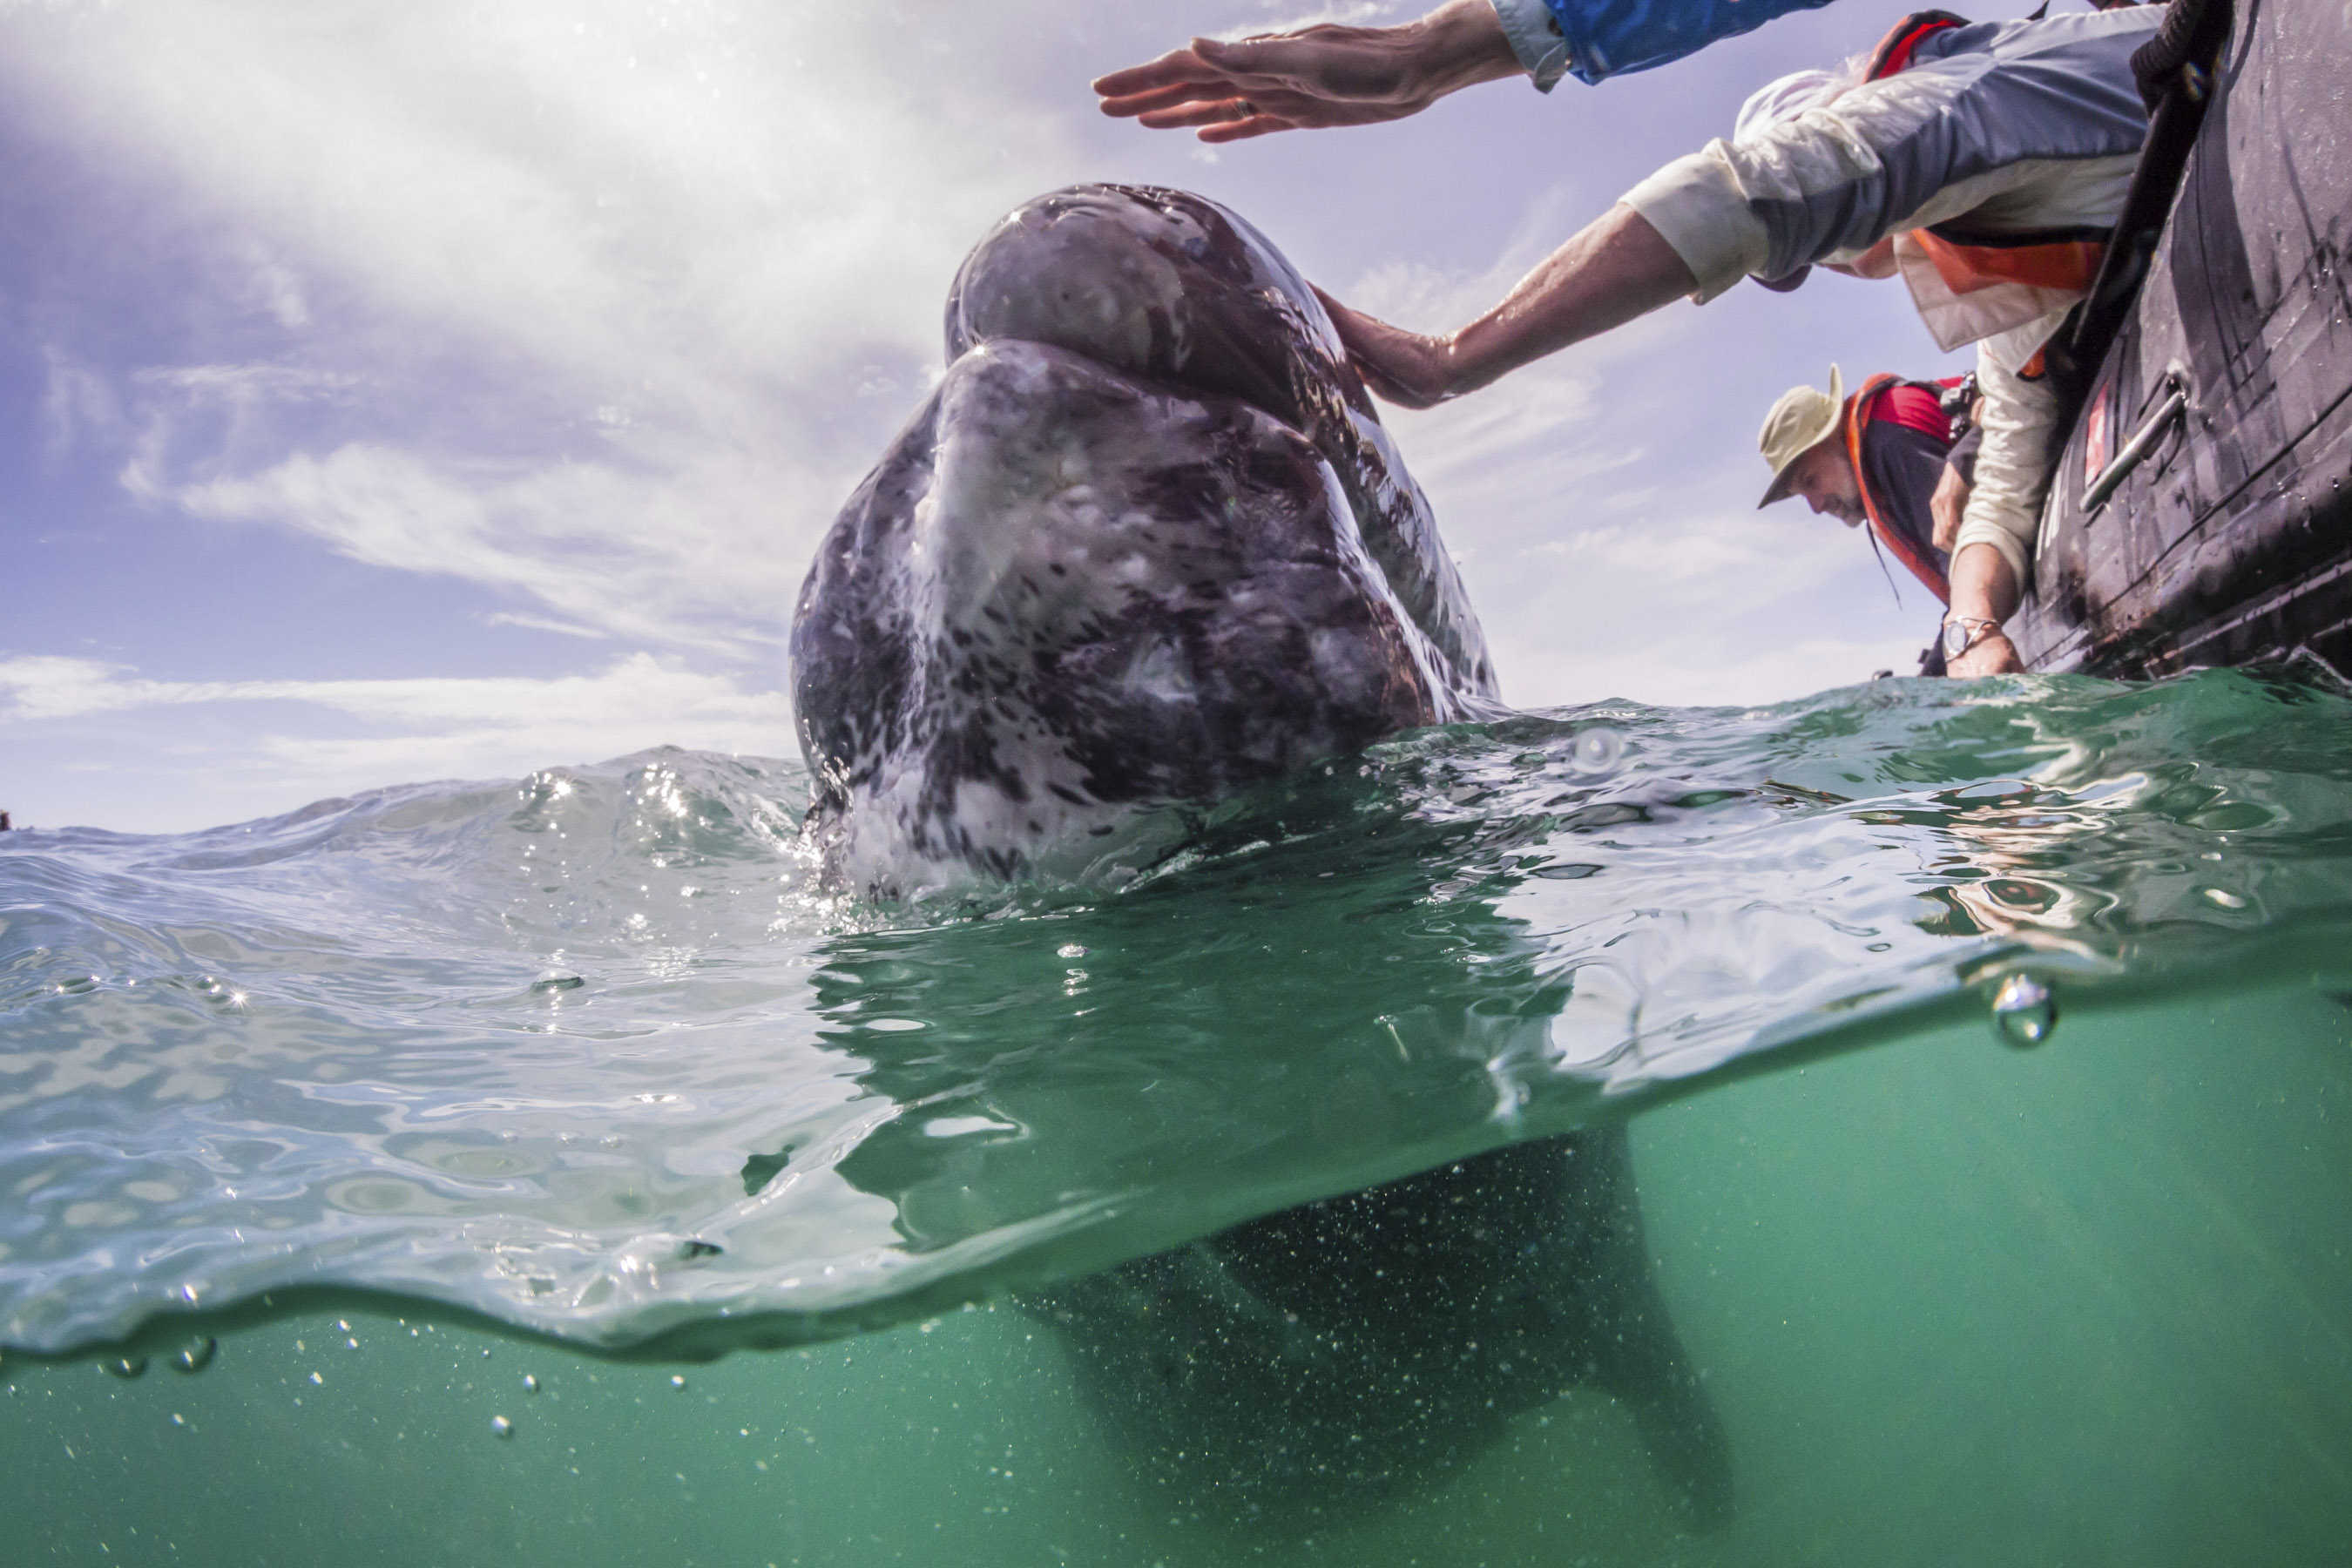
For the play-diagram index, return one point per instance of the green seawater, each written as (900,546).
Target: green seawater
(764,1204)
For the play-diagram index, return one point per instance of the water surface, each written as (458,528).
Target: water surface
(587,1062)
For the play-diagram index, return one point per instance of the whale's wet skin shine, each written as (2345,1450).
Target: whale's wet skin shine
(1148,543)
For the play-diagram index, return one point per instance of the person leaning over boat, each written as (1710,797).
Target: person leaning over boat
(1984,164)
(1898,457)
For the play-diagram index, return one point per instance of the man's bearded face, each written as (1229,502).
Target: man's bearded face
(1825,477)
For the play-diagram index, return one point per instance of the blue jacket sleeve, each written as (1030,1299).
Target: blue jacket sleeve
(1607,38)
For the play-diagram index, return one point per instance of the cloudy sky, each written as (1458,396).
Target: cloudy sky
(440,388)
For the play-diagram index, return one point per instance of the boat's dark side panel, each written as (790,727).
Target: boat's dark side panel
(2232,541)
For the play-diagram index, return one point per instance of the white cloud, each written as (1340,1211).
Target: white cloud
(611,303)
(1288,16)
(605,306)
(541,624)
(77,401)
(615,188)
(676,552)
(201,750)
(633,691)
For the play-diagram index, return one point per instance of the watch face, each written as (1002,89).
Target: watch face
(1956,639)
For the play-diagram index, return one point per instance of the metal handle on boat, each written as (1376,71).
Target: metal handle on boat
(2143,440)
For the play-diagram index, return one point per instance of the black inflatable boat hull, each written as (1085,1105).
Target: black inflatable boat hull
(2230,541)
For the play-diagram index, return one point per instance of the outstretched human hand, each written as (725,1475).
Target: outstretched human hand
(1993,654)
(1409,368)
(1316,78)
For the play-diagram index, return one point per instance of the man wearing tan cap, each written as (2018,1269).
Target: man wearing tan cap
(1894,458)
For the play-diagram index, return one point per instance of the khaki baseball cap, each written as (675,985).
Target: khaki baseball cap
(1802,419)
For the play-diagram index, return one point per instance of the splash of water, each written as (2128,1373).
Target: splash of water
(593,1056)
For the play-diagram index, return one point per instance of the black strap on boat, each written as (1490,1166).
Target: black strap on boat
(2174,71)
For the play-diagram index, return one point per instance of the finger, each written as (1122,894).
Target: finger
(1176,65)
(1371,343)
(1387,388)
(1341,318)
(1243,129)
(1357,330)
(1225,112)
(1166,98)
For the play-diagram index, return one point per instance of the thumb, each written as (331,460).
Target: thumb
(1347,322)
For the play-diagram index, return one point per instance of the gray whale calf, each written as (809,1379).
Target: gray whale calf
(1148,543)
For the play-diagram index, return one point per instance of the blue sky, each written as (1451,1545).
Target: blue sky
(392,392)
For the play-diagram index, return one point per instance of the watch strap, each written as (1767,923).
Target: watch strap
(1974,630)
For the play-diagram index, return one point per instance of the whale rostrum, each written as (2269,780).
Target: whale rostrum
(1146,541)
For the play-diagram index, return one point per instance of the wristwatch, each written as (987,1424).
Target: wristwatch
(1962,633)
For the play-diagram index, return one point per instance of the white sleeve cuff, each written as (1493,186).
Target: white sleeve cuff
(2012,466)
(1535,39)
(1976,530)
(1697,206)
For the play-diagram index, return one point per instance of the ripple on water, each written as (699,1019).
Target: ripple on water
(591,1053)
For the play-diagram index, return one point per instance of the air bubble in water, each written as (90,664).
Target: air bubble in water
(529,1383)
(194,1354)
(501,1427)
(124,1366)
(2024,1011)
(1597,749)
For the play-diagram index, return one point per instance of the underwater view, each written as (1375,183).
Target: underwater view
(1936,1101)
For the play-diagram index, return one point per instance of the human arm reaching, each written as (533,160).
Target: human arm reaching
(1984,595)
(1316,77)
(1992,551)
(1617,269)
(1690,229)
(1327,76)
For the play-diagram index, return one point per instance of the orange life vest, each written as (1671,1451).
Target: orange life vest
(1967,262)
(1853,422)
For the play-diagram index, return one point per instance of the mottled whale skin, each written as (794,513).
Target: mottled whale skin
(1146,541)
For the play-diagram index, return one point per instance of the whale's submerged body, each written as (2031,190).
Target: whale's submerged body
(1148,543)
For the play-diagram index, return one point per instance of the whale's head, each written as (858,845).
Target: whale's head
(1145,543)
